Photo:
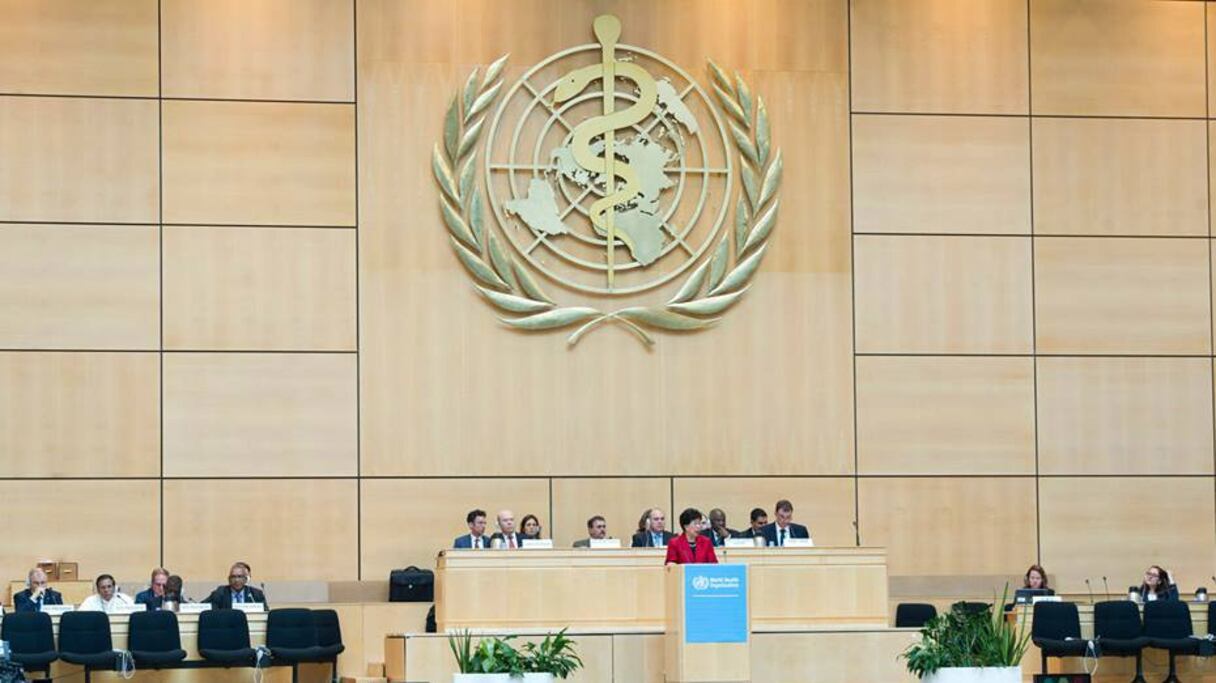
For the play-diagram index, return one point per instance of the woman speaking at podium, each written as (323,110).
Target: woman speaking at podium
(691,547)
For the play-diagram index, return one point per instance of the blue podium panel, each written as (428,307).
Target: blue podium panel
(715,603)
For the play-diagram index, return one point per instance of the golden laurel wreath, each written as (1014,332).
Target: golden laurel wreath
(716,285)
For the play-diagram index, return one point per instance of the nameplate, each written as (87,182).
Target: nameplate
(194,607)
(740,543)
(1036,599)
(249,606)
(601,543)
(537,544)
(127,609)
(799,543)
(55,610)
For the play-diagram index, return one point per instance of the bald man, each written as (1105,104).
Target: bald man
(506,531)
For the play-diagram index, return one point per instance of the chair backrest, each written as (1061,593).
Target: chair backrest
(28,633)
(1117,619)
(971,607)
(154,632)
(85,633)
(329,630)
(290,627)
(1167,619)
(223,629)
(913,614)
(1212,618)
(1055,621)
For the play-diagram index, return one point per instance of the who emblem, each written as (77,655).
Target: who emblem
(608,172)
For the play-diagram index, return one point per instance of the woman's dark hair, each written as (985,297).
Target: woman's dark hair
(689,516)
(1035,568)
(103,577)
(524,523)
(644,522)
(1162,586)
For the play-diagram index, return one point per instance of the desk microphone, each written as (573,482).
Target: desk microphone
(1106,587)
(1091,591)
(857,533)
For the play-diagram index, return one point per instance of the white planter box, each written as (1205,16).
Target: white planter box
(481,678)
(1011,674)
(537,678)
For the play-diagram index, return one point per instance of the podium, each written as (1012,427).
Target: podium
(708,634)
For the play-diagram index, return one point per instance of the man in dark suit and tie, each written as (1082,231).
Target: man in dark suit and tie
(238,590)
(718,532)
(784,528)
(476,538)
(506,531)
(36,594)
(759,518)
(655,535)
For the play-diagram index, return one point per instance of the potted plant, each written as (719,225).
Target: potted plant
(964,646)
(554,657)
(493,660)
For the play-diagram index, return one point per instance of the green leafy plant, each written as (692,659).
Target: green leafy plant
(553,655)
(461,644)
(964,638)
(488,656)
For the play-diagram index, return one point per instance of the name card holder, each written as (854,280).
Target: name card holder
(56,610)
(602,543)
(249,607)
(537,544)
(799,543)
(740,543)
(127,609)
(193,607)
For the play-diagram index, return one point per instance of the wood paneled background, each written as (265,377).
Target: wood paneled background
(231,325)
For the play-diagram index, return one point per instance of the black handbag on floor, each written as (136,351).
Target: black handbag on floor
(411,585)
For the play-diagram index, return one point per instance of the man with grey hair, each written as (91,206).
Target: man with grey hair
(36,594)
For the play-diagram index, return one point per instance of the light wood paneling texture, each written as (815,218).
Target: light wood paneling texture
(106,526)
(619,501)
(1122,296)
(298,529)
(1120,177)
(79,287)
(824,505)
(941,174)
(943,416)
(80,414)
(218,169)
(944,526)
(236,288)
(1093,57)
(940,56)
(78,47)
(1142,416)
(1116,527)
(265,50)
(71,159)
(942,294)
(408,521)
(237,415)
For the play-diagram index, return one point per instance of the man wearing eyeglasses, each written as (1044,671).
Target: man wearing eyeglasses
(237,591)
(36,594)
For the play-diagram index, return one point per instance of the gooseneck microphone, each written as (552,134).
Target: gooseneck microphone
(1091,591)
(1106,587)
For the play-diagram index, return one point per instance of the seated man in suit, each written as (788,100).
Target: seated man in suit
(759,518)
(506,531)
(597,528)
(655,535)
(784,528)
(36,594)
(718,532)
(154,596)
(238,589)
(476,538)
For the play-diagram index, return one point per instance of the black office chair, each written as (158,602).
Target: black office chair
(971,607)
(1057,631)
(1119,632)
(85,640)
(155,641)
(223,638)
(291,636)
(329,637)
(1167,625)
(31,640)
(913,614)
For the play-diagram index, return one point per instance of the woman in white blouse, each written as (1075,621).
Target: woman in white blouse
(107,598)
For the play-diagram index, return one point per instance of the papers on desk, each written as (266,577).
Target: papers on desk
(248,607)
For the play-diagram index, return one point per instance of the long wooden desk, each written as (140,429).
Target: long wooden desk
(622,590)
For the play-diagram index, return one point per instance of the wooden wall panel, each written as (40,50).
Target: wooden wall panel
(823,504)
(945,415)
(1142,416)
(80,414)
(78,47)
(236,415)
(1117,526)
(1093,57)
(261,289)
(940,56)
(79,287)
(217,170)
(942,294)
(941,174)
(106,526)
(266,50)
(951,525)
(408,521)
(1120,177)
(821,657)
(69,159)
(286,529)
(1122,296)
(619,501)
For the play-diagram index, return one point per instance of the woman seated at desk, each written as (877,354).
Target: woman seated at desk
(691,547)
(1157,585)
(530,527)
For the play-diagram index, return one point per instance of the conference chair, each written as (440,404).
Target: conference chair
(1057,631)
(291,636)
(1119,632)
(154,640)
(31,641)
(223,638)
(971,607)
(329,638)
(85,640)
(1167,625)
(913,614)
